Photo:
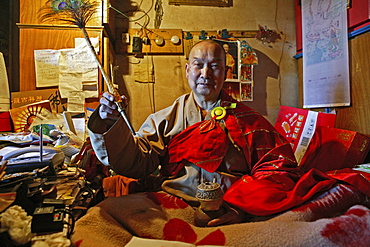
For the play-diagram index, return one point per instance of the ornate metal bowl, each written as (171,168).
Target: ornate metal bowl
(210,196)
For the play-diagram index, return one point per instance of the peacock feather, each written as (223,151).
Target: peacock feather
(79,12)
(75,12)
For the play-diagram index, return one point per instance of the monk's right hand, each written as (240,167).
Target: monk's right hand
(108,109)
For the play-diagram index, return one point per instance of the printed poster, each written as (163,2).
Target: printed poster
(325,54)
(232,50)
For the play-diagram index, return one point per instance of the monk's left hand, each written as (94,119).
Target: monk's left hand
(232,216)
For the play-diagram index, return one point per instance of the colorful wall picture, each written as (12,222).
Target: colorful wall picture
(246,73)
(247,54)
(233,89)
(232,49)
(246,91)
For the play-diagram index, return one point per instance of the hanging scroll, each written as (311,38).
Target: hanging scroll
(325,54)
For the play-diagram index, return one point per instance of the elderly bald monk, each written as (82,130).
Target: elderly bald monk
(208,136)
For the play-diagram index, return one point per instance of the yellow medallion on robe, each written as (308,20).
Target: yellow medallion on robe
(218,112)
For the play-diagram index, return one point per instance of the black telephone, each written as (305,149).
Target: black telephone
(29,158)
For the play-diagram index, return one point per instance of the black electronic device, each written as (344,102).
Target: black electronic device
(29,158)
(51,217)
(56,203)
(137,44)
(48,219)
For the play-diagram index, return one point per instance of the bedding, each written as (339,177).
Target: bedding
(339,217)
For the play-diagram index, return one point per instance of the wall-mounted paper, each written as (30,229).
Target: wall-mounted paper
(76,100)
(47,68)
(80,43)
(78,71)
(73,69)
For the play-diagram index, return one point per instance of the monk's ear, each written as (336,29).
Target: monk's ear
(187,66)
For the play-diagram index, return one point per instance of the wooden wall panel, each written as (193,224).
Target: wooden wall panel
(355,117)
(35,39)
(29,13)
(35,35)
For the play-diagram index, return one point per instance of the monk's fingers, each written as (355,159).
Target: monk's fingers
(230,217)
(108,101)
(124,102)
(107,112)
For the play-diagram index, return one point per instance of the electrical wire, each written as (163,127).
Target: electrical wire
(139,10)
(146,20)
(152,82)
(144,32)
(71,225)
(140,3)
(282,51)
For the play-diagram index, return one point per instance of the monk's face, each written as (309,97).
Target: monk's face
(205,69)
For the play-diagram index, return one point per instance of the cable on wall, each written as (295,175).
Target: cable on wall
(282,50)
(143,32)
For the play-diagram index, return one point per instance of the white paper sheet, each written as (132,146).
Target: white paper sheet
(80,43)
(47,68)
(78,71)
(73,69)
(76,100)
(80,127)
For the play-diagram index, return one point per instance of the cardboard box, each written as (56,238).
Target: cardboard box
(333,149)
(29,97)
(5,122)
(298,127)
(22,117)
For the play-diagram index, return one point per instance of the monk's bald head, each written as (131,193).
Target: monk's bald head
(208,44)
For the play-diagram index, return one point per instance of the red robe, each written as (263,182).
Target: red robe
(275,183)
